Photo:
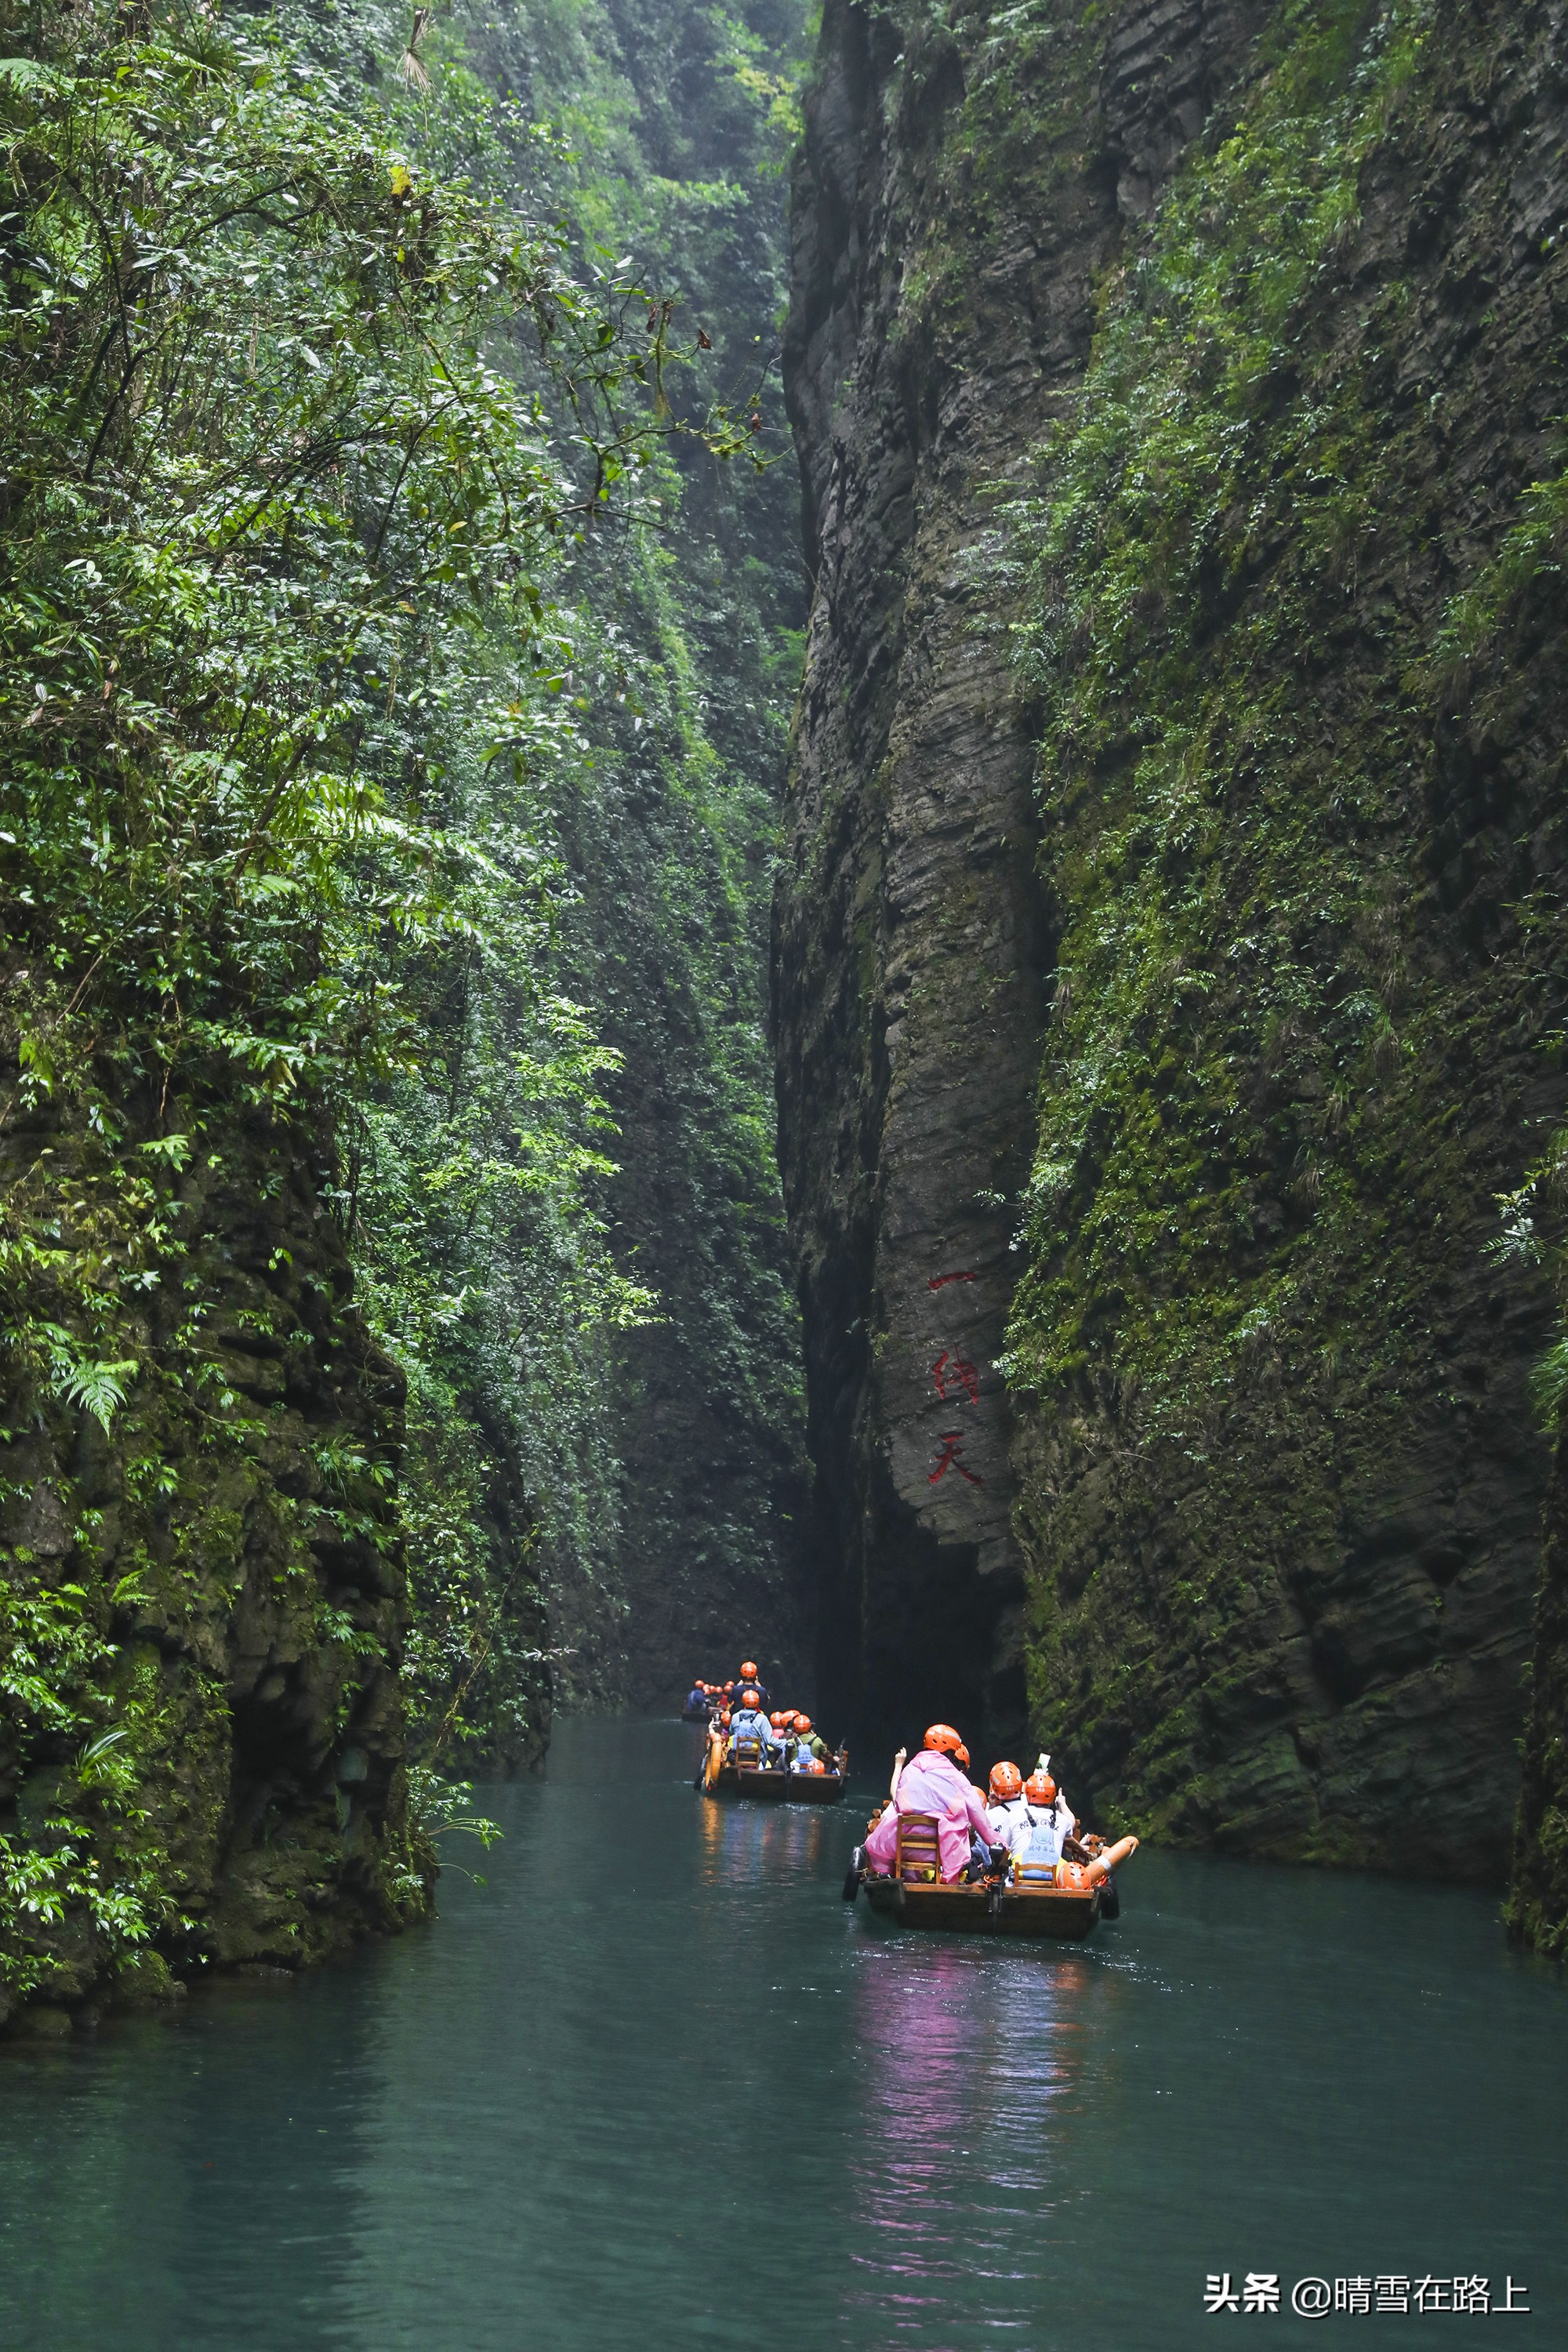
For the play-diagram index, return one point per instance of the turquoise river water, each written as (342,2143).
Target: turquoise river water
(654,2085)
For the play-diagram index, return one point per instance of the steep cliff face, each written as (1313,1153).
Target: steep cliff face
(1247,319)
(706,1421)
(203,1597)
(959,190)
(684,670)
(1297,637)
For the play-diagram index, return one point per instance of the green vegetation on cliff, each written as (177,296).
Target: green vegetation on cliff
(347,650)
(1293,622)
(676,120)
(271,518)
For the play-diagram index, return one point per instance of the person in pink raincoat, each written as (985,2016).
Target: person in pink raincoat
(933,1783)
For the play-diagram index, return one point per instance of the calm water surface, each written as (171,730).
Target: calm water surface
(656,2085)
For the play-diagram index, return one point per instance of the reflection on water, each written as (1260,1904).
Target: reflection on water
(655,2077)
(744,1843)
(970,2054)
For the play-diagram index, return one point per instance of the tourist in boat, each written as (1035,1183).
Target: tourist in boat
(1008,1807)
(810,1747)
(697,1698)
(933,1783)
(1046,1821)
(1054,1841)
(1041,1777)
(748,1722)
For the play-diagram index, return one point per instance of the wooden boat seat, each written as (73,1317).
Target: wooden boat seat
(1035,1873)
(748,1754)
(920,1855)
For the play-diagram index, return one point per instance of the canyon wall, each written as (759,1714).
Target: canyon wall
(949,225)
(685,665)
(1168,945)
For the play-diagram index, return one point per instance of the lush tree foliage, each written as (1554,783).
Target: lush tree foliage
(677,123)
(317,410)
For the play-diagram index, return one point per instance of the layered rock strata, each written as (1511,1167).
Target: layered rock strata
(952,204)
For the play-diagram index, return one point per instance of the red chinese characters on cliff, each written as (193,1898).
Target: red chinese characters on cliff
(951,1448)
(951,1371)
(956,1381)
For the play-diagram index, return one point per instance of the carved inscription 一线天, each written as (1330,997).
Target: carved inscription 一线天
(952,1372)
(952,1449)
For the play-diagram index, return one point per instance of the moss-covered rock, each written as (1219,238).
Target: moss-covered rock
(1297,643)
(202,1603)
(955,200)
(1538,1899)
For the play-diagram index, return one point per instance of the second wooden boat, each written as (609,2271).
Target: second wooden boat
(744,1779)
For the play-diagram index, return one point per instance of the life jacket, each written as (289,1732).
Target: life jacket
(1011,1821)
(1042,1843)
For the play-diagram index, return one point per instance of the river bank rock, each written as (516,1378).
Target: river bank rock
(202,1760)
(1537,1897)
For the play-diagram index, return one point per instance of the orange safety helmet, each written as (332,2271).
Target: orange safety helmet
(1006,1781)
(961,1755)
(776,1719)
(748,1670)
(1040,1789)
(802,1722)
(942,1736)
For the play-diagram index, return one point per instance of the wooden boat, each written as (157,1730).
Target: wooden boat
(746,1776)
(1055,1914)
(916,1897)
(696,1713)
